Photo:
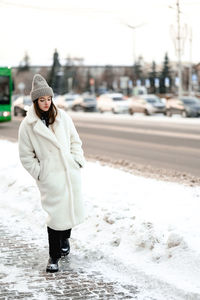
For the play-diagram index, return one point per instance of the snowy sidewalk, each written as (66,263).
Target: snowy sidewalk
(23,275)
(140,239)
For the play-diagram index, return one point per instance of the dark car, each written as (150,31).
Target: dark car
(185,106)
(21,105)
(85,103)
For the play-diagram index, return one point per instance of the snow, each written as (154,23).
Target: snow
(137,229)
(155,118)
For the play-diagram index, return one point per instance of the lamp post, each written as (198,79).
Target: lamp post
(179,37)
(133,28)
(190,67)
(179,51)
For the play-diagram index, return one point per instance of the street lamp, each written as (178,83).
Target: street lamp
(179,39)
(190,67)
(133,28)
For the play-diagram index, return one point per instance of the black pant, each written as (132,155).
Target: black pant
(55,241)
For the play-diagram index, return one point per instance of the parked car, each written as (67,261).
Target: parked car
(21,105)
(85,103)
(185,106)
(66,101)
(147,104)
(114,102)
(14,97)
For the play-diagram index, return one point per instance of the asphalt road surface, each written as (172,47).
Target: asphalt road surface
(172,144)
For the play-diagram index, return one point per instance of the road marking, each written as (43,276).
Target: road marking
(133,143)
(141,131)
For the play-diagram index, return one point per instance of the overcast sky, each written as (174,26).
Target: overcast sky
(95,30)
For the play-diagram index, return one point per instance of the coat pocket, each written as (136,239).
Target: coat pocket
(43,170)
(75,163)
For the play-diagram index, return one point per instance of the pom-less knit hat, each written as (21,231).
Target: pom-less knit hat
(40,88)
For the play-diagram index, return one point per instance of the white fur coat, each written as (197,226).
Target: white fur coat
(53,158)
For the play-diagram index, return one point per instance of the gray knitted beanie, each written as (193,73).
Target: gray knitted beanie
(40,88)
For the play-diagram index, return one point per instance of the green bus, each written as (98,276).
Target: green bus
(5,94)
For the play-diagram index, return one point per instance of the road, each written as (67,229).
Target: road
(171,144)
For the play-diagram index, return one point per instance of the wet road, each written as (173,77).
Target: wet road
(159,142)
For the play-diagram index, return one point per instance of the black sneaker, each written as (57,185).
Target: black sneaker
(65,247)
(52,265)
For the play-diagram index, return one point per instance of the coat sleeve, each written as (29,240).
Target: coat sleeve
(76,144)
(27,153)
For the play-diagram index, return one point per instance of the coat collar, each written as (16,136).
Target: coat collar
(32,117)
(41,129)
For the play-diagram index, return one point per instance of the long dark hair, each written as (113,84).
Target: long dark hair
(52,112)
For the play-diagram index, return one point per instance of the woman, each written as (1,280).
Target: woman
(51,151)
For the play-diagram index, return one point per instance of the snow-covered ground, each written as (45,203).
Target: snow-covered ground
(138,230)
(157,118)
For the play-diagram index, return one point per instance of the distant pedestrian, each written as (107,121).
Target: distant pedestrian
(51,151)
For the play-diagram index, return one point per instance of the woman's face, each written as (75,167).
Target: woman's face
(44,102)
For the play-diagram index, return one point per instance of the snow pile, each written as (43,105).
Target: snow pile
(139,227)
(144,224)
(19,196)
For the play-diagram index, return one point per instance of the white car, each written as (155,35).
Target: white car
(21,105)
(66,101)
(114,102)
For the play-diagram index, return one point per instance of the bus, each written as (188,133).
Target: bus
(5,94)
